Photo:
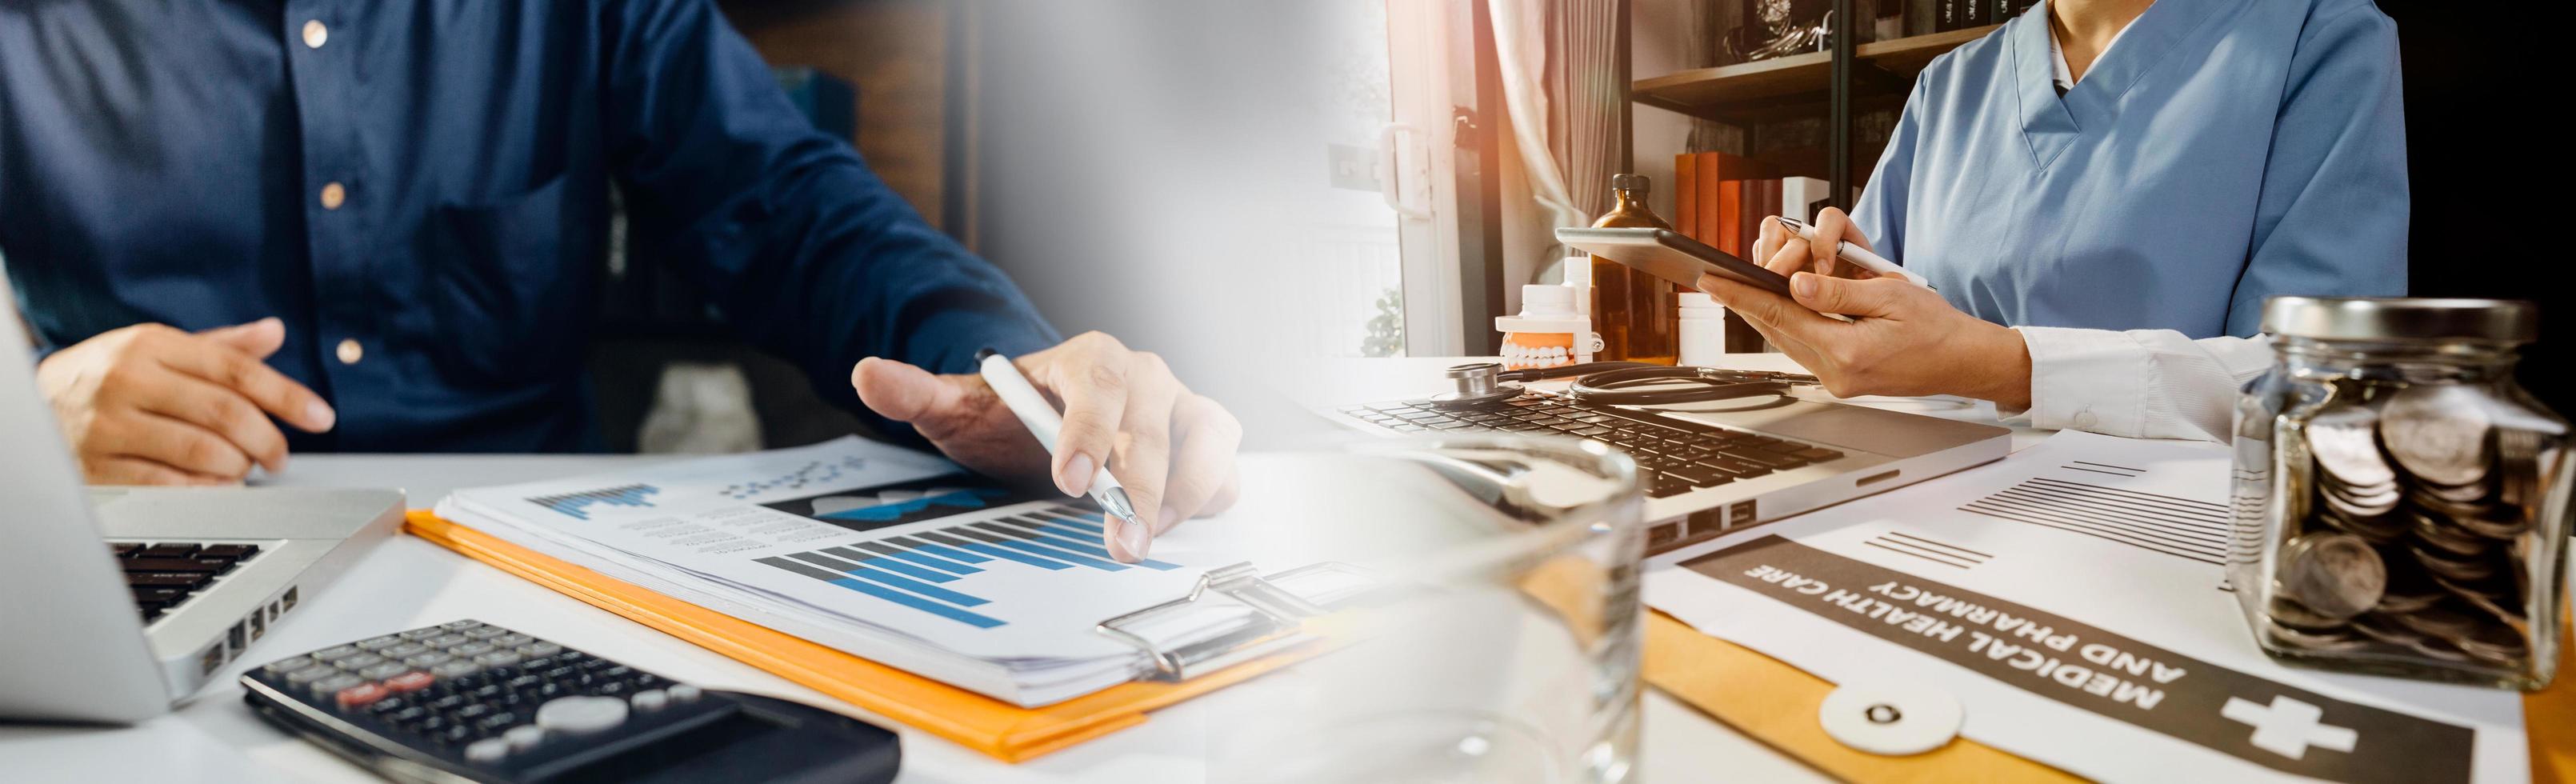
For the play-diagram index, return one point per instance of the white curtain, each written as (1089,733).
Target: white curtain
(1560,85)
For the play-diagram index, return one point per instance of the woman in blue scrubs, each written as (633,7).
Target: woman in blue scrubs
(2123,182)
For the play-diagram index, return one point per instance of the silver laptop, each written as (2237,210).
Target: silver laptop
(1714,466)
(184,581)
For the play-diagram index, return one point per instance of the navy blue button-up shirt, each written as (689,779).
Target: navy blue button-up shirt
(168,161)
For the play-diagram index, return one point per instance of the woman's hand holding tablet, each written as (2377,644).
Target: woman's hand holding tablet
(1900,339)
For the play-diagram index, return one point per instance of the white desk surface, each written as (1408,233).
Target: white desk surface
(408,582)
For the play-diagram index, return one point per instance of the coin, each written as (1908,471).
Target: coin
(2441,650)
(2348,507)
(2494,604)
(2330,641)
(2452,568)
(2440,533)
(2408,591)
(2286,612)
(2487,526)
(2379,530)
(2379,627)
(2494,645)
(2343,437)
(2449,508)
(2438,432)
(2441,622)
(2337,575)
(2464,495)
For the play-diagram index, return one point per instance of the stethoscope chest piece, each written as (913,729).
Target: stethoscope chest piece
(1477,383)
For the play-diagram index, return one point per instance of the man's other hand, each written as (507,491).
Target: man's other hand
(1172,450)
(153,405)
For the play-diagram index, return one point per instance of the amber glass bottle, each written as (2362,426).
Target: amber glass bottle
(1636,313)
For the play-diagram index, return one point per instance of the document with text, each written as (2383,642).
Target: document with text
(2074,598)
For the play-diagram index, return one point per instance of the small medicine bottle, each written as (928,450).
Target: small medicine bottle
(1547,333)
(1703,329)
(1634,310)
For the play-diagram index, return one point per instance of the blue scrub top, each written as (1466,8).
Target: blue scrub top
(2224,151)
(166,162)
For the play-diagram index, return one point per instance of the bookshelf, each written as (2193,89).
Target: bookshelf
(1784,87)
(1798,91)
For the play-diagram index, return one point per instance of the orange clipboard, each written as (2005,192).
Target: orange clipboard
(1776,704)
(1005,731)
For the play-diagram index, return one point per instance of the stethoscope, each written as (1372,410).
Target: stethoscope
(1613,383)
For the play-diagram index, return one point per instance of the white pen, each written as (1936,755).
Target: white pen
(1856,254)
(1042,420)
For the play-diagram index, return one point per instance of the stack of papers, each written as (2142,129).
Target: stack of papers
(887,554)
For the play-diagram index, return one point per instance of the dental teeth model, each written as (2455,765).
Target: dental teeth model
(1547,332)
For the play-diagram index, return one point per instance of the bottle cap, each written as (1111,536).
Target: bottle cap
(1545,301)
(1631,182)
(1700,300)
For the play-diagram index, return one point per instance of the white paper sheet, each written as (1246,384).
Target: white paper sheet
(2072,596)
(890,554)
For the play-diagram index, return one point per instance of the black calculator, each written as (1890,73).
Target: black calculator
(469,701)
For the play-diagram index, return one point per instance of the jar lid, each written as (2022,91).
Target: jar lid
(2402,318)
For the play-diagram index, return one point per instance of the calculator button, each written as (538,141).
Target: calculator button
(422,633)
(577,715)
(649,700)
(359,662)
(540,649)
(512,640)
(458,626)
(360,694)
(454,669)
(383,671)
(445,640)
(410,682)
(404,650)
(497,659)
(289,665)
(487,750)
(684,693)
(336,652)
(311,674)
(471,649)
(487,632)
(524,737)
(427,659)
(333,684)
(379,643)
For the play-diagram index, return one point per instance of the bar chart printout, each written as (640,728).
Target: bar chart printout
(576,505)
(935,571)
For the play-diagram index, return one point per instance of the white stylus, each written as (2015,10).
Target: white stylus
(1856,254)
(1042,420)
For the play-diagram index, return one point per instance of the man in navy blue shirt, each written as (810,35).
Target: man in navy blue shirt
(381,223)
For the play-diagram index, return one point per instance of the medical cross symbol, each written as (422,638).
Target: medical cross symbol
(2289,726)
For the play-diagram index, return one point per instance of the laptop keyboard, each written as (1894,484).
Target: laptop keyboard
(164,575)
(1672,459)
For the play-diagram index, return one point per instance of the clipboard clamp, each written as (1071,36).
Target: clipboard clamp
(1277,621)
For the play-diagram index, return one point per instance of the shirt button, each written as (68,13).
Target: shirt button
(2086,419)
(333,195)
(315,34)
(351,352)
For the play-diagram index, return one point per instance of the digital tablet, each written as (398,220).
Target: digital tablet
(1667,254)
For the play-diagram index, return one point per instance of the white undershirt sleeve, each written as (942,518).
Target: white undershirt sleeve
(2143,383)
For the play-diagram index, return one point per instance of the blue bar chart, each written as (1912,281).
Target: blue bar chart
(934,571)
(886,506)
(573,504)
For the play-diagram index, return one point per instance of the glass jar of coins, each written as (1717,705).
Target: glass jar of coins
(2401,503)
